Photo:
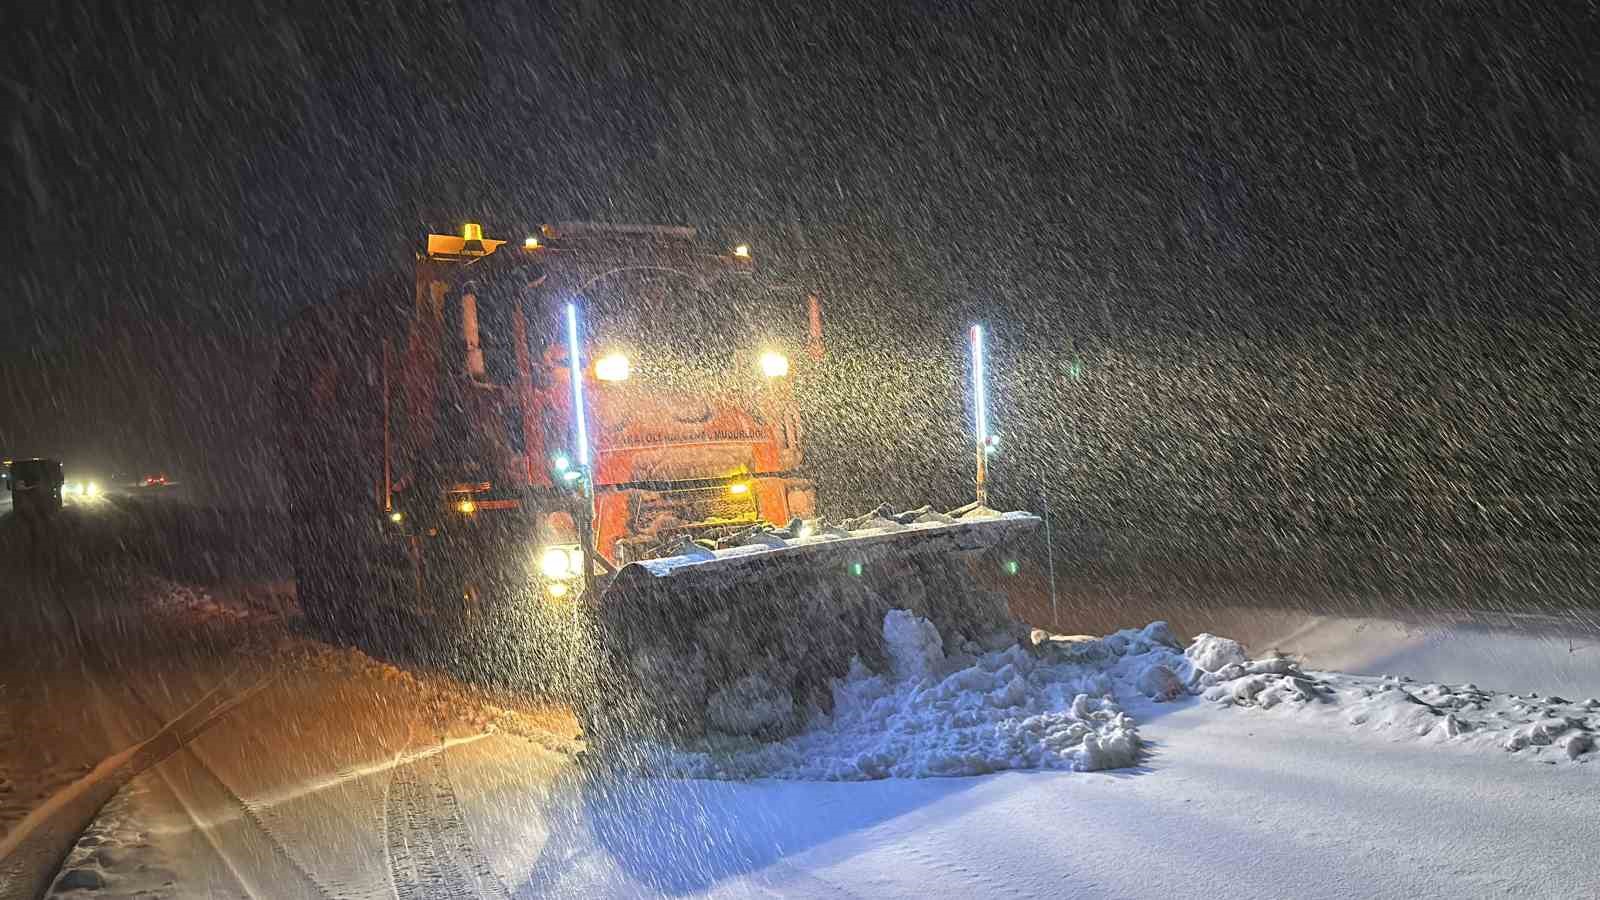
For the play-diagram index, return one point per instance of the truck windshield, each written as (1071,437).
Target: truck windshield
(670,319)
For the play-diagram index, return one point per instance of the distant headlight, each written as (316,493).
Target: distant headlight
(774,365)
(561,562)
(92,489)
(611,367)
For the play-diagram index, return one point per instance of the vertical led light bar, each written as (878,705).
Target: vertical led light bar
(980,407)
(580,430)
(979,399)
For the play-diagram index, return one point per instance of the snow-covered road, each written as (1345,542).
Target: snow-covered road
(1302,800)
(338,776)
(1230,802)
(1227,805)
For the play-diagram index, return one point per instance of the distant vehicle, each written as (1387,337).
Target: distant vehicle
(152,481)
(35,486)
(83,489)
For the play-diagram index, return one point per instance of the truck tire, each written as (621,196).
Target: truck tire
(329,568)
(322,601)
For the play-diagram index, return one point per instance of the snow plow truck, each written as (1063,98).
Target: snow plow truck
(580,451)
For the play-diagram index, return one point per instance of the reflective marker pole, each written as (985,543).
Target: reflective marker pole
(981,414)
(580,437)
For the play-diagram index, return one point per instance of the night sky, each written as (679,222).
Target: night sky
(232,161)
(1254,224)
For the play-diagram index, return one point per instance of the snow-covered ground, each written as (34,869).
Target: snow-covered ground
(1317,757)
(939,712)
(1272,782)
(1127,766)
(1506,651)
(1059,705)
(1226,805)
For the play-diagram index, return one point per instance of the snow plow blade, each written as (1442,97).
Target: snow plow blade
(746,640)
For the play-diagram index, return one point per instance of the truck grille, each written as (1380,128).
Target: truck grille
(689,509)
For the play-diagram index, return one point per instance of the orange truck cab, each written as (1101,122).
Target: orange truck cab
(452,410)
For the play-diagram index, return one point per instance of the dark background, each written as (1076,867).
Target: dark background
(1269,282)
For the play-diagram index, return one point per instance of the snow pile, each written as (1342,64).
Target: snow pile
(115,856)
(180,603)
(939,713)
(1462,714)
(915,649)
(1466,714)
(1213,653)
(948,707)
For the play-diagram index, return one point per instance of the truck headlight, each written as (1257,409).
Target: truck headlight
(611,367)
(92,489)
(561,562)
(774,365)
(555,563)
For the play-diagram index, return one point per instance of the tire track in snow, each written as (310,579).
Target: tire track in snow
(52,830)
(309,883)
(413,867)
(431,854)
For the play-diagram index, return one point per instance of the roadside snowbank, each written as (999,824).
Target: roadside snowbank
(1218,669)
(1538,726)
(185,604)
(114,855)
(945,710)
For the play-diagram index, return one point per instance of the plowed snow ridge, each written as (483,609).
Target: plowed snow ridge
(1059,704)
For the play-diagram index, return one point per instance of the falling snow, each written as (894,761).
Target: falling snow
(1290,345)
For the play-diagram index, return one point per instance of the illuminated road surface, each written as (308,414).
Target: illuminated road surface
(323,786)
(305,772)
(1226,805)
